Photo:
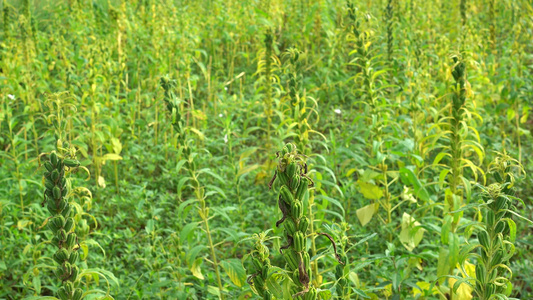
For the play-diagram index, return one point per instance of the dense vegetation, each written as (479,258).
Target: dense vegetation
(327,149)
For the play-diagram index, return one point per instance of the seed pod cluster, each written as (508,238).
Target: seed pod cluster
(495,238)
(457,138)
(459,98)
(261,267)
(291,178)
(259,270)
(62,225)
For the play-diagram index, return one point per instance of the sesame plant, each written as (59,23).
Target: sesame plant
(291,179)
(389,19)
(458,142)
(71,253)
(186,147)
(61,224)
(301,114)
(496,233)
(16,153)
(461,141)
(379,120)
(261,267)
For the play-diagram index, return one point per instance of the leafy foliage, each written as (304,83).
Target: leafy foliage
(403,111)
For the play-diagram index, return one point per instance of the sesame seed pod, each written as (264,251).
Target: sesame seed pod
(62,294)
(71,240)
(289,226)
(302,188)
(78,294)
(286,195)
(296,210)
(56,192)
(304,224)
(72,163)
(53,159)
(73,258)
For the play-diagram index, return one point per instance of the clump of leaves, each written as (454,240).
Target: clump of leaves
(261,267)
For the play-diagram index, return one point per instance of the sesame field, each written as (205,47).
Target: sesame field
(266,149)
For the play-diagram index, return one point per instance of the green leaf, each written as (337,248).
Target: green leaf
(510,114)
(442,177)
(213,174)
(512,229)
(235,271)
(36,282)
(409,177)
(149,226)
(272,285)
(193,253)
(212,189)
(180,164)
(443,266)
(117,145)
(446,228)
(181,184)
(101,273)
(439,157)
(360,293)
(213,290)
(324,294)
(454,247)
(187,230)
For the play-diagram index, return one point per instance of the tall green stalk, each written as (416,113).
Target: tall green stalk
(298,105)
(458,110)
(60,164)
(291,177)
(291,180)
(62,225)
(462,7)
(185,145)
(268,83)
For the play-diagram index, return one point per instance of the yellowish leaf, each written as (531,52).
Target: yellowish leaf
(111,156)
(424,286)
(369,190)
(464,292)
(410,236)
(196,270)
(101,181)
(365,214)
(247,169)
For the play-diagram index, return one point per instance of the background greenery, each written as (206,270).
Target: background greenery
(376,80)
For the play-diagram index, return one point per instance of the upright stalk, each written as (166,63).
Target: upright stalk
(184,144)
(268,83)
(291,179)
(456,138)
(498,231)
